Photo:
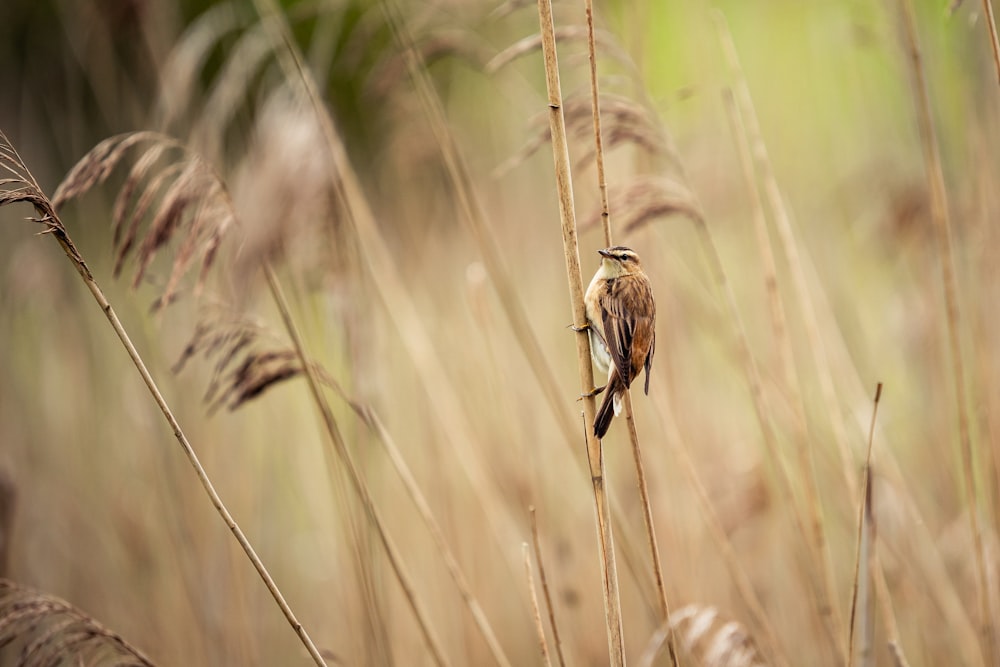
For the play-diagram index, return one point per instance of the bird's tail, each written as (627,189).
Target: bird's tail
(610,408)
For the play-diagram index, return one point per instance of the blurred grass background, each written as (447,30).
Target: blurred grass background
(110,517)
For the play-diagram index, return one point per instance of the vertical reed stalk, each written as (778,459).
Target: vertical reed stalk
(991,26)
(437,534)
(354,474)
(476,222)
(595,104)
(829,610)
(943,234)
(545,587)
(602,186)
(536,611)
(567,215)
(392,289)
(864,560)
(744,588)
(647,517)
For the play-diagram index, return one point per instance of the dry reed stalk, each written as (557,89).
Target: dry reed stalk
(828,607)
(991,27)
(647,517)
(242,371)
(476,222)
(545,587)
(744,587)
(864,562)
(688,204)
(627,114)
(536,612)
(941,217)
(943,589)
(475,219)
(933,573)
(27,190)
(898,657)
(567,216)
(357,480)
(393,291)
(602,186)
(434,528)
(595,103)
(750,369)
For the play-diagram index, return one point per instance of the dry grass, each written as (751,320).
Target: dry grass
(335,257)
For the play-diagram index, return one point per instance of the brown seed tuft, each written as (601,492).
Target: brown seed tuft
(646,199)
(50,631)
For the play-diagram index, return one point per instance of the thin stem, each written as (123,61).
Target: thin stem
(647,517)
(434,528)
(943,233)
(744,587)
(567,216)
(825,590)
(98,294)
(536,612)
(991,26)
(595,103)
(545,587)
(602,186)
(865,525)
(360,487)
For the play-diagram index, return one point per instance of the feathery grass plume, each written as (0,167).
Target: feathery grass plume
(390,73)
(707,637)
(609,47)
(645,199)
(171,189)
(50,631)
(21,186)
(248,360)
(284,192)
(624,123)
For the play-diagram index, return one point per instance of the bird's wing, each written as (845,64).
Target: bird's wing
(628,313)
(619,327)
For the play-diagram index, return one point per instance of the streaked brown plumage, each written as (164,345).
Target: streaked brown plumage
(621,317)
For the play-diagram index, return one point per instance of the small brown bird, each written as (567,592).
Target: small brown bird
(621,319)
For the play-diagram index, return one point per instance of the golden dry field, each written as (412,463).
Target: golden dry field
(308,268)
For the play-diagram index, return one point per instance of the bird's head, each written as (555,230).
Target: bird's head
(619,261)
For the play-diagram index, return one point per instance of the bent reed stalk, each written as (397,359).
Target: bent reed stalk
(30,192)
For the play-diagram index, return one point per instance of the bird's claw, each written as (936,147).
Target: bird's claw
(585,327)
(593,392)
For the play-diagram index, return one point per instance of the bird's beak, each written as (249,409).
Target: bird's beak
(604,253)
